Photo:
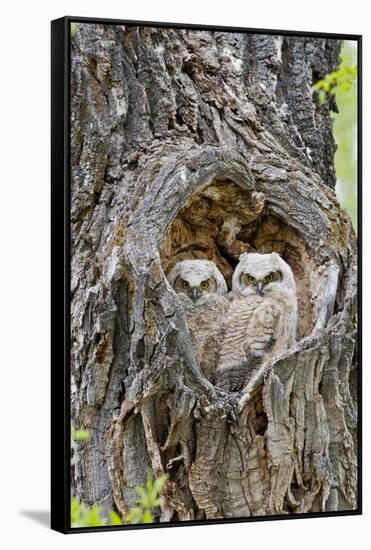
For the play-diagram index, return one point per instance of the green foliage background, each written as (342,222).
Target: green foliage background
(345,130)
(343,84)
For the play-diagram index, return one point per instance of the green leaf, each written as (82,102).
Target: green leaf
(159,483)
(92,518)
(73,29)
(75,511)
(145,498)
(135,515)
(115,519)
(149,500)
(345,85)
(149,482)
(322,97)
(80,435)
(85,516)
(147,517)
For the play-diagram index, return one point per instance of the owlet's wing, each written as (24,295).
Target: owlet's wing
(249,334)
(261,330)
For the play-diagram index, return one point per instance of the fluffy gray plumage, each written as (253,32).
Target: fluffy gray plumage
(202,289)
(262,320)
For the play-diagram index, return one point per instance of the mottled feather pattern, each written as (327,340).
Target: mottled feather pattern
(205,323)
(242,327)
(258,326)
(205,313)
(232,336)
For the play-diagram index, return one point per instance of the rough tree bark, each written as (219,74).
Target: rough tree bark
(195,144)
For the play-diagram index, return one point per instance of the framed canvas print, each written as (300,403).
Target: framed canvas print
(205,274)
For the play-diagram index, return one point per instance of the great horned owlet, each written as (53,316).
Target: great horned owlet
(202,289)
(262,319)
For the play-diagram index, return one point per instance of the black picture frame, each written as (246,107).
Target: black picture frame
(60,269)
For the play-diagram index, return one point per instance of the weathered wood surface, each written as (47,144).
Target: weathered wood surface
(207,144)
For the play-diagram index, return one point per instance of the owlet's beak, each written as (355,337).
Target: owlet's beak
(260,287)
(195,294)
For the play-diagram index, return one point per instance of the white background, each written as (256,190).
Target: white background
(24,219)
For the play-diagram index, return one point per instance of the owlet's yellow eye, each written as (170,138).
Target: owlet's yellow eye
(251,280)
(205,284)
(185,284)
(269,278)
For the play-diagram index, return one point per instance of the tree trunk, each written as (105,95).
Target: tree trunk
(201,144)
